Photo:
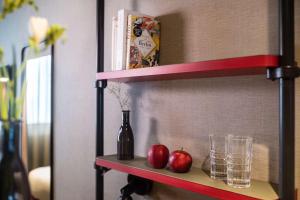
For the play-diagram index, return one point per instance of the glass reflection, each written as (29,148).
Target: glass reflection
(38,126)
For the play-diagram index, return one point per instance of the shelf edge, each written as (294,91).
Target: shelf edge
(168,180)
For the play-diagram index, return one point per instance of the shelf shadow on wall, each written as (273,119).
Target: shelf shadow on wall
(150,124)
(172,39)
(134,5)
(152,135)
(273,27)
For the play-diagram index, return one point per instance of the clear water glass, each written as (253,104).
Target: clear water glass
(218,157)
(239,158)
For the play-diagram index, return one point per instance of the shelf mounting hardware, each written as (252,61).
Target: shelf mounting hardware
(138,185)
(101,84)
(101,169)
(286,72)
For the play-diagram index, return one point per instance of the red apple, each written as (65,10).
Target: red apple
(180,161)
(158,156)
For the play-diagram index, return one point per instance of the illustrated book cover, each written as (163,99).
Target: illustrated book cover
(143,42)
(121,43)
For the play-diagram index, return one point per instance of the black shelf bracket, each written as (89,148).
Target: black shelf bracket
(101,84)
(101,169)
(138,185)
(286,72)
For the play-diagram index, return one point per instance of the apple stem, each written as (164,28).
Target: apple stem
(181,149)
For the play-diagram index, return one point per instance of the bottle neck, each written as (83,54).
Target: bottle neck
(126,119)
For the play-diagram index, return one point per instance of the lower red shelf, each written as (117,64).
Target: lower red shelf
(195,180)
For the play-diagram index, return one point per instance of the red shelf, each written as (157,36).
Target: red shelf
(195,180)
(250,65)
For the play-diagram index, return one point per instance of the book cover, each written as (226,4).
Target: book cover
(143,42)
(122,37)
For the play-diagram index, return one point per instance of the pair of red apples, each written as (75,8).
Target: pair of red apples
(178,161)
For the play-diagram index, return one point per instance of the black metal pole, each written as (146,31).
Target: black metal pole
(52,125)
(286,74)
(287,102)
(100,97)
(287,139)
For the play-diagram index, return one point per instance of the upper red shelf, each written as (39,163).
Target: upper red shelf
(250,65)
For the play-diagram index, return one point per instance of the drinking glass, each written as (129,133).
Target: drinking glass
(239,158)
(218,157)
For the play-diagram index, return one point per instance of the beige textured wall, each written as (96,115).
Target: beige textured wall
(183,113)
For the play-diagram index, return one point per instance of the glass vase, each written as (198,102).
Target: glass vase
(125,143)
(14,184)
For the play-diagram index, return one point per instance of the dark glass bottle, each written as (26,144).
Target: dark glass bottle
(125,149)
(14,183)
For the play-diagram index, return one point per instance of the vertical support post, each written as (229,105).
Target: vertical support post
(287,102)
(287,139)
(100,97)
(51,126)
(286,74)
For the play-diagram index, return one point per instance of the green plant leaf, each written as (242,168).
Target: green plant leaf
(3,101)
(54,33)
(34,44)
(1,55)
(20,101)
(10,6)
